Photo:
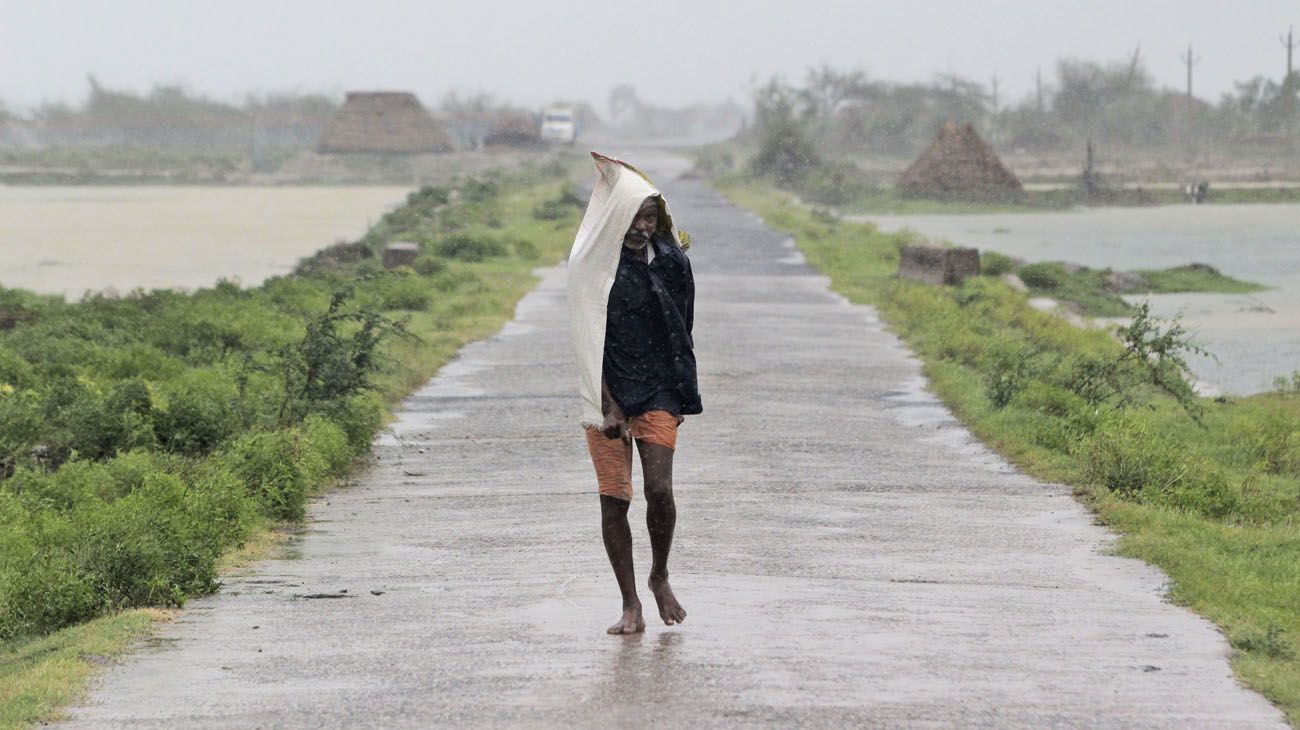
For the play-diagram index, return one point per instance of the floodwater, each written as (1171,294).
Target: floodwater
(1255,337)
(70,240)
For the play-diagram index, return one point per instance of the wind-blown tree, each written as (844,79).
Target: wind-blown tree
(1263,106)
(785,151)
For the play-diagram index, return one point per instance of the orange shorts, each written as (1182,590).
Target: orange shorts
(613,457)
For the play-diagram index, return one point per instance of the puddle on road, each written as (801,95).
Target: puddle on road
(795,257)
(449,383)
(915,406)
(159,643)
(414,427)
(515,328)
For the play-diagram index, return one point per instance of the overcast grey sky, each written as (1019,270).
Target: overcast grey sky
(672,51)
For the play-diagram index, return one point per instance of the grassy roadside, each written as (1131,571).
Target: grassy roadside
(106,511)
(1207,490)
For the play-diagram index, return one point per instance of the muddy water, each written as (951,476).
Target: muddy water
(69,240)
(1255,337)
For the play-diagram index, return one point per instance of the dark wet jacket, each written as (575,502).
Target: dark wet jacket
(649,351)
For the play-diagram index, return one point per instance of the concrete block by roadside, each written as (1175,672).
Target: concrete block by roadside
(935,265)
(400,253)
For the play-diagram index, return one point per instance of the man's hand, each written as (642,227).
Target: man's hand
(615,425)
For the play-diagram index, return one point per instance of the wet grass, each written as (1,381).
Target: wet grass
(1214,503)
(1192,278)
(1102,292)
(37,677)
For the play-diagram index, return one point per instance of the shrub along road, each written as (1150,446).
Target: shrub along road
(847,553)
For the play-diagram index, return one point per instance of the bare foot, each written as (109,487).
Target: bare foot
(669,609)
(630,623)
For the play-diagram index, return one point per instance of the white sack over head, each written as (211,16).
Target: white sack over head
(593,263)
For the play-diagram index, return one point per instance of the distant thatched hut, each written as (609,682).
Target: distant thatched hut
(383,122)
(959,164)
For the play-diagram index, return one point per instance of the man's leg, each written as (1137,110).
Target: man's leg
(660,519)
(618,545)
(613,461)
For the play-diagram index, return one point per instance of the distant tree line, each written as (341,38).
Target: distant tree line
(169,116)
(1116,104)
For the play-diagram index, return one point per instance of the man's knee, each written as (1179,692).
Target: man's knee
(659,489)
(613,509)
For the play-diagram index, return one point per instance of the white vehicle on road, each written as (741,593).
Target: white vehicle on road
(559,124)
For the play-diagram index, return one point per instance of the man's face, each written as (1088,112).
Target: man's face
(643,225)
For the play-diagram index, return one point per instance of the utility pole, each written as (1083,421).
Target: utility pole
(1038,89)
(1133,65)
(1191,60)
(995,94)
(1289,44)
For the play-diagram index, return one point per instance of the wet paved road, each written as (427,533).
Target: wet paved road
(848,556)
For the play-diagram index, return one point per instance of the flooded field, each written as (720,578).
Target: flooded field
(70,240)
(1255,337)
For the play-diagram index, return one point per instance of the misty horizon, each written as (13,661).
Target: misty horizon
(523,54)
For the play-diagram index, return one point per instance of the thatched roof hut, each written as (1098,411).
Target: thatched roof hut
(383,122)
(959,164)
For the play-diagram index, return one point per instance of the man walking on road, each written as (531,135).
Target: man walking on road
(631,299)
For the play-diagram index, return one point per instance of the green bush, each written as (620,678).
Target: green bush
(147,548)
(1126,455)
(462,247)
(786,151)
(77,482)
(525,249)
(1270,641)
(335,358)
(121,421)
(41,589)
(410,293)
(1268,435)
(328,439)
(429,265)
(1051,417)
(15,371)
(458,280)
(480,189)
(16,307)
(22,427)
(1131,457)
(141,360)
(993,263)
(832,183)
(199,413)
(426,197)
(270,466)
(359,418)
(1047,275)
(1287,385)
(1008,365)
(334,257)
